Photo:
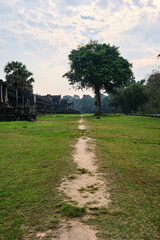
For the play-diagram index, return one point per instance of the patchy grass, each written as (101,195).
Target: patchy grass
(82,170)
(72,211)
(72,177)
(128,151)
(53,223)
(34,156)
(90,188)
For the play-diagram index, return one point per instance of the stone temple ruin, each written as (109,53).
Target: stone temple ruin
(12,109)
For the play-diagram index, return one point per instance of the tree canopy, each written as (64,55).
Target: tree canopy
(18,75)
(133,97)
(153,91)
(98,66)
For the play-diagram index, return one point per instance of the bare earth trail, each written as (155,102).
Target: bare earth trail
(87,188)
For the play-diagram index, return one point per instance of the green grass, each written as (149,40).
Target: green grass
(34,156)
(128,151)
(82,170)
(72,211)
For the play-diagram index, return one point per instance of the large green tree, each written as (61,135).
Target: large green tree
(133,97)
(128,97)
(98,66)
(153,91)
(19,76)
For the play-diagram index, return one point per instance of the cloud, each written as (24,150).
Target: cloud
(45,24)
(88,18)
(47,30)
(3,42)
(144,62)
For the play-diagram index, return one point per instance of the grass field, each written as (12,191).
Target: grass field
(128,150)
(34,156)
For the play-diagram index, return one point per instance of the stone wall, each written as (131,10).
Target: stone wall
(11,108)
(8,109)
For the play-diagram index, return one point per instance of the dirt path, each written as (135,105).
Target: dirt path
(86,188)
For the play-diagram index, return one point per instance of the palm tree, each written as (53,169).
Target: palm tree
(19,76)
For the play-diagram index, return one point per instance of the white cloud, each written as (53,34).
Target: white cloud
(145,62)
(3,43)
(50,29)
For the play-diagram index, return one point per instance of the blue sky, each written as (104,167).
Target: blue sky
(41,34)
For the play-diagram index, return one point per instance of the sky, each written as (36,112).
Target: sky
(41,34)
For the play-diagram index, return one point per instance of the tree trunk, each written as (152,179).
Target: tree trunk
(16,97)
(98,101)
(23,99)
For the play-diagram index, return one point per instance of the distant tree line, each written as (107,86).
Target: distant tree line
(133,97)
